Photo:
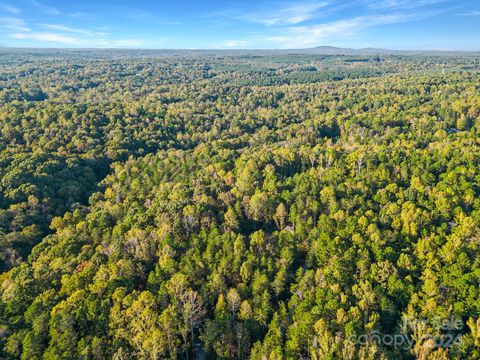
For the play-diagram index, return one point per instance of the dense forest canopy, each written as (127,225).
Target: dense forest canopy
(273,206)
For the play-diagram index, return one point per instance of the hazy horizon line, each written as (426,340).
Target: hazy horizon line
(367,48)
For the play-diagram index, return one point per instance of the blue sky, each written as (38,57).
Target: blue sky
(254,24)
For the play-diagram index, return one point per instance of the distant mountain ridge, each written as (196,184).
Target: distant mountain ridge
(332,50)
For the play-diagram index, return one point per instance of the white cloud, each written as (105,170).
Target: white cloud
(49,34)
(69,29)
(235,43)
(306,36)
(47,37)
(125,43)
(293,13)
(9,9)
(14,24)
(53,37)
(287,27)
(80,15)
(471,13)
(402,4)
(46,9)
